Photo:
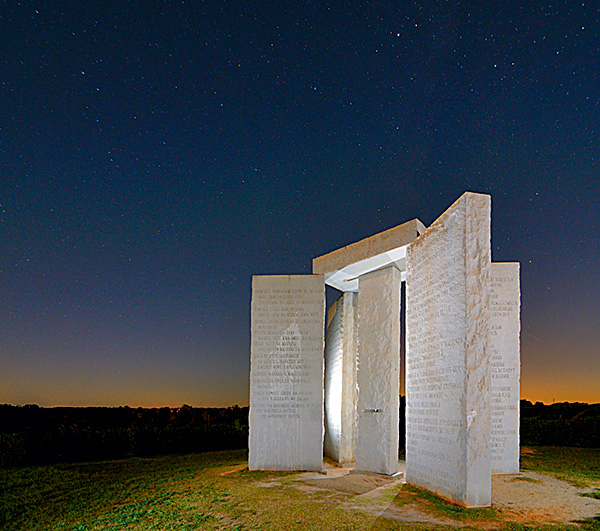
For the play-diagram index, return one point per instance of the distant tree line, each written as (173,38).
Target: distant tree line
(31,435)
(560,424)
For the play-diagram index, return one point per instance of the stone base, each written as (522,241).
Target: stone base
(365,473)
(343,465)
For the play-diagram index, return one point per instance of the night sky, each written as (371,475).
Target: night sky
(156,155)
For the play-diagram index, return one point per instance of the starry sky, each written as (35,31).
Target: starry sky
(154,155)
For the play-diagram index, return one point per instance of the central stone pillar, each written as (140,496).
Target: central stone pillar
(378,371)
(340,379)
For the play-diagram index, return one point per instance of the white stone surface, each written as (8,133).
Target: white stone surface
(343,267)
(447,371)
(286,373)
(505,366)
(378,372)
(340,378)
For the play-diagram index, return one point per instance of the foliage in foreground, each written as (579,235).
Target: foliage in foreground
(31,435)
(216,491)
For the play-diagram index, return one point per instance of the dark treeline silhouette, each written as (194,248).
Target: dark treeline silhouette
(560,424)
(32,435)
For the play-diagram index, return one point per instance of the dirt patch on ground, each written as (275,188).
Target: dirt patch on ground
(350,483)
(526,498)
(532,497)
(373,494)
(415,514)
(236,472)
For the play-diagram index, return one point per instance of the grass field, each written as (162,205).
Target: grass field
(578,466)
(216,491)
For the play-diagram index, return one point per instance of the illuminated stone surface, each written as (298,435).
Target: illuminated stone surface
(343,267)
(286,375)
(378,371)
(447,358)
(340,379)
(505,366)
(463,358)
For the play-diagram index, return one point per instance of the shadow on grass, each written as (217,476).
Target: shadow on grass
(437,506)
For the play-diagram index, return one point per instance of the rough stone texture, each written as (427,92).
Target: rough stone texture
(447,370)
(378,372)
(505,366)
(340,379)
(368,247)
(286,373)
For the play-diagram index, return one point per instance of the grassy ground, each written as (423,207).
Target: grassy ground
(216,491)
(579,466)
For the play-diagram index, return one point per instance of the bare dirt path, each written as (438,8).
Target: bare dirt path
(527,498)
(533,497)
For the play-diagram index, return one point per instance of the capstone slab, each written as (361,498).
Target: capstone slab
(447,371)
(505,366)
(340,378)
(286,372)
(366,248)
(378,372)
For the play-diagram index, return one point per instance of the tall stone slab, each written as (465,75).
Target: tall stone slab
(286,373)
(378,373)
(340,378)
(447,370)
(505,366)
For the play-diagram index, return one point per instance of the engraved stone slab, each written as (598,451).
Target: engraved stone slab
(343,267)
(447,371)
(286,375)
(340,378)
(375,245)
(505,366)
(378,371)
